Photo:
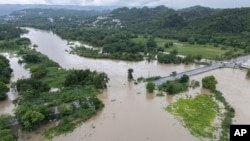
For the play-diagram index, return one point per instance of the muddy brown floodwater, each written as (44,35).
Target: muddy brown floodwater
(130,113)
(236,89)
(19,72)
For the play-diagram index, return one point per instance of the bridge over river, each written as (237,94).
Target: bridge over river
(230,63)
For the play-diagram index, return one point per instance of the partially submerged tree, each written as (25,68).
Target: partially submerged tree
(184,79)
(3,91)
(248,73)
(209,82)
(130,75)
(150,87)
(174,73)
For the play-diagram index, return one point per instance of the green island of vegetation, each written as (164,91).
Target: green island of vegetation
(175,86)
(198,114)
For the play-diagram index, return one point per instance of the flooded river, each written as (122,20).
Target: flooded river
(130,113)
(18,72)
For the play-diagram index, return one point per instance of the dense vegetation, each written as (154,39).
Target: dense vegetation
(5,74)
(175,86)
(227,116)
(170,58)
(86,77)
(248,73)
(223,31)
(209,82)
(208,26)
(150,87)
(5,128)
(10,38)
(149,79)
(9,41)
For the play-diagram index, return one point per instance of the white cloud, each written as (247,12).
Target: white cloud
(169,3)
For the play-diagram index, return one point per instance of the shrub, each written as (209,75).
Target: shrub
(209,82)
(150,87)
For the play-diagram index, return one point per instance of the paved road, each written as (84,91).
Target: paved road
(230,63)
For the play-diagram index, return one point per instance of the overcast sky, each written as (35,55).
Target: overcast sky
(168,3)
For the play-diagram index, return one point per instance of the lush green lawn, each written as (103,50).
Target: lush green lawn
(184,48)
(207,52)
(197,114)
(140,39)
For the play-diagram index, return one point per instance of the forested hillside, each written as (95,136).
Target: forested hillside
(231,21)
(119,32)
(196,24)
(196,11)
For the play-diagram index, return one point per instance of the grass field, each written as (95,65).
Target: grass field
(207,52)
(184,48)
(197,114)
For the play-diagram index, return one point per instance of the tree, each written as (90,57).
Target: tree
(184,79)
(31,58)
(5,135)
(174,52)
(86,77)
(209,82)
(130,75)
(31,119)
(4,121)
(5,70)
(173,87)
(248,73)
(150,87)
(166,45)
(5,125)
(64,109)
(3,91)
(198,57)
(151,44)
(100,80)
(174,73)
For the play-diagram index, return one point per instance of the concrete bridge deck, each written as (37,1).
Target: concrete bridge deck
(230,63)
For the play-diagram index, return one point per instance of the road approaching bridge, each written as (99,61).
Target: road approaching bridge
(230,63)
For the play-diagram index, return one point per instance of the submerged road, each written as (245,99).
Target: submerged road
(230,63)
